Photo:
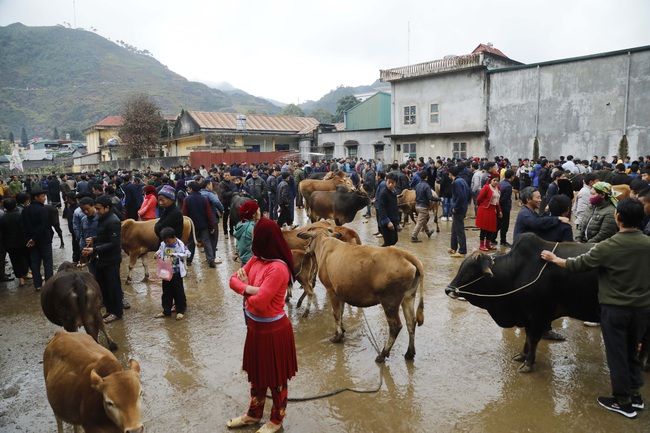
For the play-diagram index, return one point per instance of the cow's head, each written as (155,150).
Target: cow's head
(474,268)
(122,395)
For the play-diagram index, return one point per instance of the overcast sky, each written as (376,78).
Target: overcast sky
(297,50)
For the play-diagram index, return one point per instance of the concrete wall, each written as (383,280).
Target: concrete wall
(461,99)
(581,107)
(366,140)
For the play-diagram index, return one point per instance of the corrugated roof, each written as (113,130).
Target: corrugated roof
(254,122)
(482,48)
(111,121)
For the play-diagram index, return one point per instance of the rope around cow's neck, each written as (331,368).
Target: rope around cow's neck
(458,291)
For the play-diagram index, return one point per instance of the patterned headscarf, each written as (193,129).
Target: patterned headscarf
(606,188)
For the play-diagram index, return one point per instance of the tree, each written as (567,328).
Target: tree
(11,137)
(322,115)
(622,148)
(142,124)
(344,104)
(292,110)
(23,137)
(55,136)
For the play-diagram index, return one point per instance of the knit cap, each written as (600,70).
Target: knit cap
(167,191)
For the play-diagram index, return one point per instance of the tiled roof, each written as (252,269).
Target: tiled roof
(254,122)
(111,121)
(340,126)
(482,48)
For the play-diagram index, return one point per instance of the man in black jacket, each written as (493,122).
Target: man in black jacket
(107,246)
(387,213)
(170,214)
(225,191)
(36,224)
(284,199)
(132,197)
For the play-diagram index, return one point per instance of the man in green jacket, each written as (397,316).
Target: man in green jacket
(624,296)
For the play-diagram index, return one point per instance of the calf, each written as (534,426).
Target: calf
(304,268)
(72,298)
(406,205)
(296,243)
(87,387)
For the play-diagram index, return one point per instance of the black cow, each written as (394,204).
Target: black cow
(341,205)
(72,298)
(538,292)
(237,200)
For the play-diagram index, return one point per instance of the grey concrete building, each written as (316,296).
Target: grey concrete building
(485,104)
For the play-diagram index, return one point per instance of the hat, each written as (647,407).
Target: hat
(167,191)
(247,210)
(606,188)
(285,167)
(493,176)
(36,192)
(149,189)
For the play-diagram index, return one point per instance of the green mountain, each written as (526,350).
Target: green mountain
(329,102)
(71,79)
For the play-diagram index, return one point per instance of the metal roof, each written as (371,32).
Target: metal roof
(255,122)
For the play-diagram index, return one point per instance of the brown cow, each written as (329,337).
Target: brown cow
(340,205)
(139,237)
(308,186)
(406,205)
(87,387)
(304,268)
(390,277)
(295,243)
(622,190)
(72,298)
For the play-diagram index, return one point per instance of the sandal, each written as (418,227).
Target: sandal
(161,315)
(180,316)
(110,318)
(269,427)
(240,421)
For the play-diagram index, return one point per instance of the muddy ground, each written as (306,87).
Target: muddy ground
(462,378)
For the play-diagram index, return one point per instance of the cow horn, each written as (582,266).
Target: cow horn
(485,267)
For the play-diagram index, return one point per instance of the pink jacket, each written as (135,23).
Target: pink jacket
(148,209)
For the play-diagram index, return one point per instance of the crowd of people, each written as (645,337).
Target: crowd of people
(94,204)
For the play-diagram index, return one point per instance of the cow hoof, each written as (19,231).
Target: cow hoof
(380,359)
(337,339)
(112,346)
(520,357)
(409,355)
(305,314)
(525,369)
(145,279)
(128,281)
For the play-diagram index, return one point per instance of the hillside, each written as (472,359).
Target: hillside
(71,79)
(329,101)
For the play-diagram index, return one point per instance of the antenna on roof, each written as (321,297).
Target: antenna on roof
(74,11)
(408,44)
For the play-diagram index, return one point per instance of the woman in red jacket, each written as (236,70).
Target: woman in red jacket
(148,209)
(487,211)
(270,350)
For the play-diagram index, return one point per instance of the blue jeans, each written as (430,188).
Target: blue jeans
(446,207)
(41,253)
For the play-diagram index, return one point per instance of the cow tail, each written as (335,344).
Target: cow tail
(419,275)
(82,300)
(194,231)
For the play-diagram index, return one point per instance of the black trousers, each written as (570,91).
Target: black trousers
(622,330)
(503,224)
(285,215)
(458,239)
(41,253)
(19,261)
(225,218)
(108,277)
(390,236)
(173,293)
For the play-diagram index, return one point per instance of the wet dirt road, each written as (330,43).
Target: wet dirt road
(462,378)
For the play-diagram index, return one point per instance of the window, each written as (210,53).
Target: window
(434,114)
(409,149)
(352,151)
(459,150)
(409,115)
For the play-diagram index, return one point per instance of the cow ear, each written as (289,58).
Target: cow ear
(337,235)
(96,380)
(486,263)
(133,365)
(303,235)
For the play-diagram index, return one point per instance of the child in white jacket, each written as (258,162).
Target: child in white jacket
(173,293)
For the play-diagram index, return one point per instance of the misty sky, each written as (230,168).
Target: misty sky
(293,51)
